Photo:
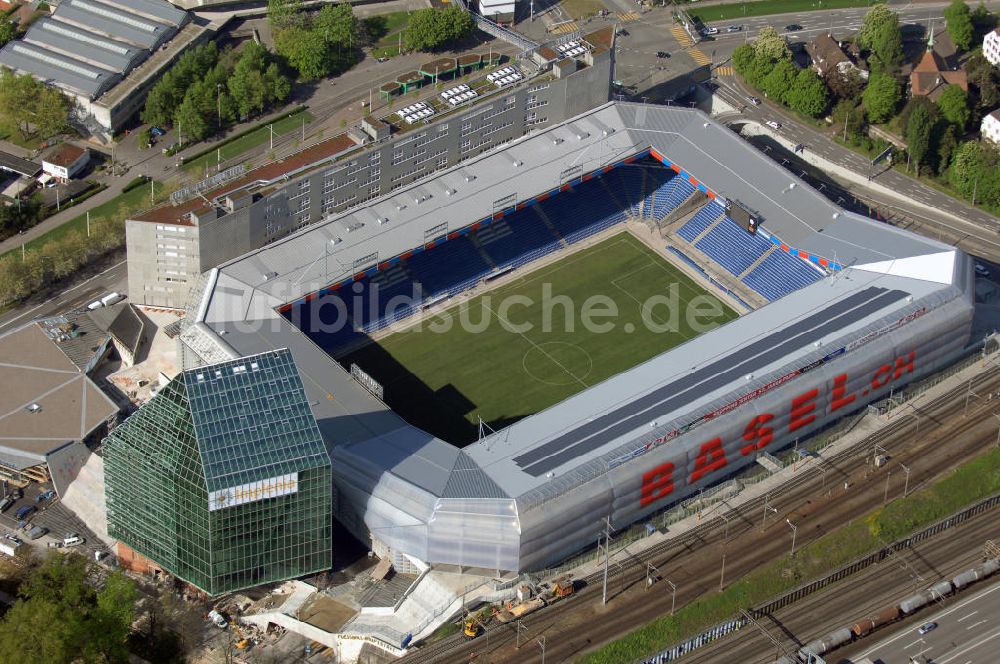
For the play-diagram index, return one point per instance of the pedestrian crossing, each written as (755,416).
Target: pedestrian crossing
(628,17)
(682,37)
(565,28)
(698,56)
(724,70)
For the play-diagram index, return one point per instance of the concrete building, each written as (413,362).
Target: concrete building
(991,47)
(222,479)
(169,246)
(55,403)
(65,161)
(90,49)
(989,129)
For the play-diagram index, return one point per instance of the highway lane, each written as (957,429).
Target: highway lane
(113,277)
(863,594)
(968,632)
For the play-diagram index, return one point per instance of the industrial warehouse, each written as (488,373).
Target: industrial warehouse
(837,310)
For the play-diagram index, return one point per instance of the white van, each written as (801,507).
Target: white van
(112,298)
(96,304)
(72,540)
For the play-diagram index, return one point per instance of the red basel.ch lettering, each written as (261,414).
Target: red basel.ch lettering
(710,458)
(803,407)
(657,483)
(756,435)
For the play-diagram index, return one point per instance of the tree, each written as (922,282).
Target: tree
(35,108)
(50,110)
(913,103)
(59,618)
(954,106)
(7,29)
(881,96)
(918,135)
(743,57)
(430,29)
(946,142)
(847,85)
(808,94)
(771,46)
(284,14)
(958,20)
(848,118)
(779,81)
(191,120)
(983,79)
(880,35)
(305,50)
(973,173)
(338,25)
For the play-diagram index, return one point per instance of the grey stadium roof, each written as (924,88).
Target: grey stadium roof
(517,460)
(80,44)
(87,46)
(77,76)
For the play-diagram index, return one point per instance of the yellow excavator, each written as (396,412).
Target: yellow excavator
(472,627)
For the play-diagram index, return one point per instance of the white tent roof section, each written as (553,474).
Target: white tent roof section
(939,268)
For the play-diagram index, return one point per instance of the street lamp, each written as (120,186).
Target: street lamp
(218,100)
(794,531)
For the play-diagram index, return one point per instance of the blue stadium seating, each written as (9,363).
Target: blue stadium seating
(780,274)
(626,182)
(506,240)
(697,224)
(582,207)
(655,178)
(458,264)
(668,196)
(732,247)
(443,266)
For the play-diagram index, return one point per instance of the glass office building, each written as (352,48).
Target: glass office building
(223,479)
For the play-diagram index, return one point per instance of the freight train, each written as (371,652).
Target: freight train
(907,607)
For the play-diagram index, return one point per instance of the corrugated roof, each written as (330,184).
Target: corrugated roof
(114,22)
(74,75)
(79,44)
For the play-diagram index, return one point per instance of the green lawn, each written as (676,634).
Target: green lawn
(136,199)
(581,9)
(443,381)
(238,146)
(764,7)
(384,30)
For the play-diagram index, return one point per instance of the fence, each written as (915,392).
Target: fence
(705,637)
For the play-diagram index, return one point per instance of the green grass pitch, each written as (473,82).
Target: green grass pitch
(500,370)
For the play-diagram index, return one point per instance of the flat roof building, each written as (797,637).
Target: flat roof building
(87,47)
(223,479)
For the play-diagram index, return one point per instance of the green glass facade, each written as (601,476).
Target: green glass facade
(223,478)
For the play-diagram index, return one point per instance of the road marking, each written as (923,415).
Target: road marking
(967,616)
(976,624)
(989,637)
(939,616)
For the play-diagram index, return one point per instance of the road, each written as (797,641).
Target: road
(967,632)
(814,501)
(111,275)
(864,594)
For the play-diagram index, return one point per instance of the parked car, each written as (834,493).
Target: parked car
(981,271)
(754,100)
(734,28)
(25,512)
(773,125)
(926,627)
(96,304)
(12,538)
(156,131)
(72,539)
(112,298)
(55,545)
(662,54)
(47,495)
(792,27)
(6,503)
(36,532)
(710,31)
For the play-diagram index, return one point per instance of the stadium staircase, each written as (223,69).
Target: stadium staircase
(669,196)
(757,262)
(478,242)
(701,222)
(537,209)
(732,247)
(780,273)
(653,180)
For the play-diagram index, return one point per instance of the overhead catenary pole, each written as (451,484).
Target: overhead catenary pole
(88,223)
(906,483)
(271,127)
(607,554)
(795,530)
(885,496)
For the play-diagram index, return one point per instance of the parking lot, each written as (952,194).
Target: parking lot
(51,515)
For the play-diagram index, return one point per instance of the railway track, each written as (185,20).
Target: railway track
(687,559)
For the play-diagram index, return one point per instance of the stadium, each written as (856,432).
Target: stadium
(805,312)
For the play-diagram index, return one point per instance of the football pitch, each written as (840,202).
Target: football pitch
(536,340)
